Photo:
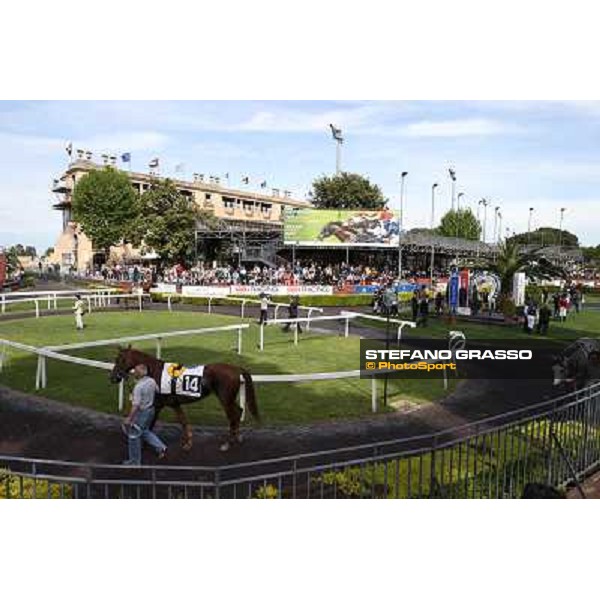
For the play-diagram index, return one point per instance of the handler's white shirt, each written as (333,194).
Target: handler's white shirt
(78,307)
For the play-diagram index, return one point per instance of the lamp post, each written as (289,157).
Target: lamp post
(336,133)
(496,211)
(482,201)
(560,232)
(431,228)
(452,173)
(499,226)
(401,228)
(529,225)
(485,203)
(457,217)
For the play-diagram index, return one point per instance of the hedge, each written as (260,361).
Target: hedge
(334,300)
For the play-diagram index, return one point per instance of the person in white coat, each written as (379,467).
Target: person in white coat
(78,310)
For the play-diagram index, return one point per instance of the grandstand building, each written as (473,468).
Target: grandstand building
(249,228)
(250,223)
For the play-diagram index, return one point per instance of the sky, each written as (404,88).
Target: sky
(520,154)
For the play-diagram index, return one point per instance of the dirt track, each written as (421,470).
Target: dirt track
(36,427)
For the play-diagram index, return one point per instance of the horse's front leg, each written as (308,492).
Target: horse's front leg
(186,428)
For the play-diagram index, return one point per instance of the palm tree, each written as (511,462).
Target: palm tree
(510,261)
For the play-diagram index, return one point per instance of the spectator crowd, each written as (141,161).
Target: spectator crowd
(303,272)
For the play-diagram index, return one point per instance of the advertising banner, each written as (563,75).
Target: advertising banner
(519,285)
(312,227)
(204,291)
(453,294)
(281,290)
(164,288)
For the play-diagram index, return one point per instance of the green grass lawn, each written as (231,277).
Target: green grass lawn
(279,403)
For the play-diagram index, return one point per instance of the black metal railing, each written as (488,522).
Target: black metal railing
(555,443)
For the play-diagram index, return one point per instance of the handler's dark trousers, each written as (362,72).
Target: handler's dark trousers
(263,317)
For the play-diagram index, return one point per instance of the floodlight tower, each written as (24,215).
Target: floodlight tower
(452,174)
(529,225)
(401,223)
(431,230)
(336,133)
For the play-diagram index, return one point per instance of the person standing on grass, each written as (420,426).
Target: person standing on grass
(544,319)
(140,418)
(556,302)
(575,297)
(530,317)
(414,305)
(293,313)
(78,310)
(264,307)
(562,308)
(423,310)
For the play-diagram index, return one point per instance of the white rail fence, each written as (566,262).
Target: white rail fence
(346,316)
(158,337)
(243,302)
(401,324)
(96,300)
(296,322)
(43,354)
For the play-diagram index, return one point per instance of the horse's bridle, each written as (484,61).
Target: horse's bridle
(119,373)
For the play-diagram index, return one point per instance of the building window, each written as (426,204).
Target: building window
(207,196)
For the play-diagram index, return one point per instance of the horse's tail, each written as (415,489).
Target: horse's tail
(250,395)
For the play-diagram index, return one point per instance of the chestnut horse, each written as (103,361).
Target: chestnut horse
(221,378)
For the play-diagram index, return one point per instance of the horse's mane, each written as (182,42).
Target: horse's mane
(144,357)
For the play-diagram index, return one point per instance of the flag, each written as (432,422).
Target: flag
(69,148)
(126,157)
(153,164)
(263,184)
(246,180)
(336,132)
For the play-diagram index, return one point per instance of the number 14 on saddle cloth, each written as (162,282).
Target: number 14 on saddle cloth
(181,380)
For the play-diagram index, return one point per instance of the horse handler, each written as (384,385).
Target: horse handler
(78,310)
(137,424)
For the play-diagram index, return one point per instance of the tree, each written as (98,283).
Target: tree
(346,191)
(12,260)
(510,261)
(167,222)
(106,206)
(48,252)
(591,254)
(547,236)
(460,223)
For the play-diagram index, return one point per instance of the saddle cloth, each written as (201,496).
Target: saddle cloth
(182,380)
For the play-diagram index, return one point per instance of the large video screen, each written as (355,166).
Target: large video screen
(312,227)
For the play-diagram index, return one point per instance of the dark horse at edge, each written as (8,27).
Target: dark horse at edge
(221,378)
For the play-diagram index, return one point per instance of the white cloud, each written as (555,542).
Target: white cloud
(34,145)
(457,128)
(148,141)
(308,121)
